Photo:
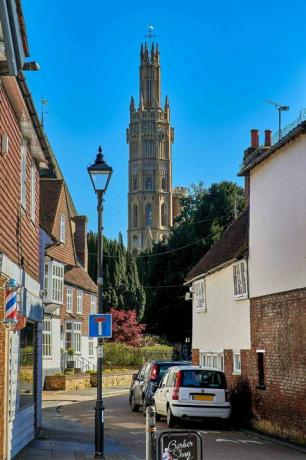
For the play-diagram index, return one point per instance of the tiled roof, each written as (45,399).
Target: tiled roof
(77,276)
(233,244)
(50,190)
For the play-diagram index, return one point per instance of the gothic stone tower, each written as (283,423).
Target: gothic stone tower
(150,159)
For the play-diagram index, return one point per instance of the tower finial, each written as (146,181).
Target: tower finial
(132,104)
(150,34)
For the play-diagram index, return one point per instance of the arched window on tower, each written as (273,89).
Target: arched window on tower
(135,215)
(163,212)
(164,183)
(148,214)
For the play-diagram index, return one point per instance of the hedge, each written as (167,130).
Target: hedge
(119,354)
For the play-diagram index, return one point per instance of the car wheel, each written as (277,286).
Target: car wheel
(171,420)
(134,406)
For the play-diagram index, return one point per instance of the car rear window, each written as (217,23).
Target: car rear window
(163,369)
(203,379)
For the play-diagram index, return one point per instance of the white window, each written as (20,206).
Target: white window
(54,282)
(212,359)
(77,337)
(93,304)
(33,191)
(62,229)
(73,336)
(236,362)
(47,339)
(80,302)
(198,289)
(23,176)
(90,347)
(240,279)
(69,299)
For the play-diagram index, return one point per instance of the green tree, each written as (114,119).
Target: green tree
(121,286)
(206,213)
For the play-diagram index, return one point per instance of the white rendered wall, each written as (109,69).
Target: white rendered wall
(277,260)
(226,323)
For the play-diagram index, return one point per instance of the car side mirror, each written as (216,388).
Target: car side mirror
(134,377)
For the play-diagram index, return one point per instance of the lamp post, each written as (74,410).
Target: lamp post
(100,174)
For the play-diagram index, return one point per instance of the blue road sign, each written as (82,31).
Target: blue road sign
(100,326)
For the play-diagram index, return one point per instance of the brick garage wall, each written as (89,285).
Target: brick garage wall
(19,235)
(278,326)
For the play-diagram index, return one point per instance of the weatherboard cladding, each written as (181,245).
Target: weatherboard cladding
(233,244)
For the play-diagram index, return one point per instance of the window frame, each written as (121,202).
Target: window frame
(217,355)
(93,301)
(240,280)
(91,348)
(69,295)
(54,282)
(236,368)
(47,339)
(62,228)
(80,299)
(33,191)
(199,294)
(23,175)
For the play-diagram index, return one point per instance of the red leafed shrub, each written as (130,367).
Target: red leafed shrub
(126,329)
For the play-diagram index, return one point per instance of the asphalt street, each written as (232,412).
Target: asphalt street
(129,429)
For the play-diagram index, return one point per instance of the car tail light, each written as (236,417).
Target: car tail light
(227,395)
(154,372)
(176,389)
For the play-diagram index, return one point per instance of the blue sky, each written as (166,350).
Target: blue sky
(220,61)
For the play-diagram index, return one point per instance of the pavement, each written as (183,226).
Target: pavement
(66,439)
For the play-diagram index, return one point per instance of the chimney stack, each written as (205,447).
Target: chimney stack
(268,138)
(80,240)
(254,138)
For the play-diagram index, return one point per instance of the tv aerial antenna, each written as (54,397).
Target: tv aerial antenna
(281,108)
(43,102)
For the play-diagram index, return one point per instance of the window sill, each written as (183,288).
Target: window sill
(201,310)
(241,297)
(261,387)
(236,373)
(47,357)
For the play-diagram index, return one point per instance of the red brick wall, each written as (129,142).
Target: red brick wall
(19,236)
(196,356)
(64,252)
(278,326)
(86,308)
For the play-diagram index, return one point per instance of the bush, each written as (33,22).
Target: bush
(119,354)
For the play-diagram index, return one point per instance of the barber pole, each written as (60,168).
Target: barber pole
(10,314)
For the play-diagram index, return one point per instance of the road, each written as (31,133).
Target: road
(129,429)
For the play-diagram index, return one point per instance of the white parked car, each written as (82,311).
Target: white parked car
(192,392)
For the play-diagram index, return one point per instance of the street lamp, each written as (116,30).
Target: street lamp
(100,174)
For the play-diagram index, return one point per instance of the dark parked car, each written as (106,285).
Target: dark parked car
(147,380)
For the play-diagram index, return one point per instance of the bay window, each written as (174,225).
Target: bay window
(54,282)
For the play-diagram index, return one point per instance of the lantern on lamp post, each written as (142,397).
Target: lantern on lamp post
(100,174)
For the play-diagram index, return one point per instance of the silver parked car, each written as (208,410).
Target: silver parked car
(192,392)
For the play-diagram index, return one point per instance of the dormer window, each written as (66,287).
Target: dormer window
(62,228)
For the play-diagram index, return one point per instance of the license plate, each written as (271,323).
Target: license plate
(203,397)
